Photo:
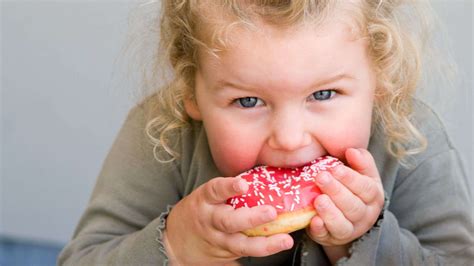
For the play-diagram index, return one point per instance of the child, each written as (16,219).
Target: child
(281,83)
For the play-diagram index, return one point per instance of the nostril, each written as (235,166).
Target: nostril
(289,140)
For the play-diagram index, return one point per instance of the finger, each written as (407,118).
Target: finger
(260,246)
(336,224)
(362,161)
(364,187)
(219,189)
(226,219)
(351,205)
(317,231)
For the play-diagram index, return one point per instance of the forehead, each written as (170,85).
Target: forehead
(289,60)
(217,21)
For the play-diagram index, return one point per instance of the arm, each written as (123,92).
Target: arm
(428,221)
(428,218)
(121,224)
(124,223)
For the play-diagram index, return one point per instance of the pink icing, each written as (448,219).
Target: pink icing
(287,189)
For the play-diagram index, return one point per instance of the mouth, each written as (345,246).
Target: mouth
(293,160)
(290,165)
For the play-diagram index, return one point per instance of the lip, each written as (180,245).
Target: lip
(290,160)
(292,165)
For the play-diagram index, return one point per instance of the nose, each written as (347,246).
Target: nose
(289,132)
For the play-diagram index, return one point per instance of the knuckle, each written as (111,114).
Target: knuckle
(226,225)
(337,190)
(369,189)
(355,212)
(320,234)
(329,217)
(201,223)
(241,250)
(349,177)
(345,232)
(213,190)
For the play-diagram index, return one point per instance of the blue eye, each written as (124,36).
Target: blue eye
(247,102)
(323,95)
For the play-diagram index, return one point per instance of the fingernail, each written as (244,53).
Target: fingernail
(270,214)
(323,179)
(239,186)
(338,171)
(323,204)
(285,244)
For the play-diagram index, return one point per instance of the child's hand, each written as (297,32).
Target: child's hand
(352,201)
(201,228)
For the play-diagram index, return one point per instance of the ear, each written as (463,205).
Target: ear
(192,109)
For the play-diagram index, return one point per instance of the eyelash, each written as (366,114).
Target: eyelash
(332,92)
(238,101)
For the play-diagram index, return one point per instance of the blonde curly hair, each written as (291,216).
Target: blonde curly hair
(395,49)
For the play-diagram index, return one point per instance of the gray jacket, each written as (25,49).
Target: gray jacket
(426,220)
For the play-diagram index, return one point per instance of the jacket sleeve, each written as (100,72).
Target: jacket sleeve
(428,219)
(123,221)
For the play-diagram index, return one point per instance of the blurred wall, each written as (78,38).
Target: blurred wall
(62,104)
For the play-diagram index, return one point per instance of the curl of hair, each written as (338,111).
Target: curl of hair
(395,49)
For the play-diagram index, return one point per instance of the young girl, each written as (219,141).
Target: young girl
(281,83)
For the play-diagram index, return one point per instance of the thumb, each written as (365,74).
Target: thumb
(362,161)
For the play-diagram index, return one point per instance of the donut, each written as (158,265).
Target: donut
(290,190)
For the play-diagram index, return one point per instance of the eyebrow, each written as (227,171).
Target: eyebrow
(332,79)
(224,83)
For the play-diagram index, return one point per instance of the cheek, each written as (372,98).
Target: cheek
(351,132)
(234,150)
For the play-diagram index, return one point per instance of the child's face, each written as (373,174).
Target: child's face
(285,98)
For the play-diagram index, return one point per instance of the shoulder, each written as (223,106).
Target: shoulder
(188,140)
(431,126)
(440,155)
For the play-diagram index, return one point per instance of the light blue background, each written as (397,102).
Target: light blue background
(63,99)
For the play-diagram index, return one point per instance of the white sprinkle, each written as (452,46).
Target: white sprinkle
(297,199)
(289,193)
(271,198)
(292,207)
(268,176)
(279,207)
(246,205)
(261,195)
